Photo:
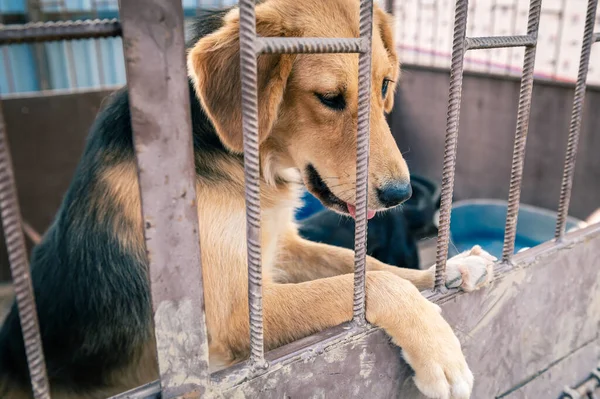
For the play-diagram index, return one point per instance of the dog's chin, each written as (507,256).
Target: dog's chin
(317,187)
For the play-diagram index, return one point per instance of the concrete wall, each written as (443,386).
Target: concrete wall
(485,144)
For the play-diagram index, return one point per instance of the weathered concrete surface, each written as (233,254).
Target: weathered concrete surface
(545,310)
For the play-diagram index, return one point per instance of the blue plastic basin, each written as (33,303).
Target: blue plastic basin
(481,222)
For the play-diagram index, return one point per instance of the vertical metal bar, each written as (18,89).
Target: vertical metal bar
(576,116)
(34,14)
(362,159)
(518,160)
(154,49)
(493,9)
(452,123)
(19,268)
(71,69)
(10,77)
(509,52)
(98,48)
(558,47)
(389,6)
(248,64)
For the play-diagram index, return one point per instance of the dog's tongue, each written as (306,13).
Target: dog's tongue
(352,211)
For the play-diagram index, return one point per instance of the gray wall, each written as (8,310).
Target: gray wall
(487,126)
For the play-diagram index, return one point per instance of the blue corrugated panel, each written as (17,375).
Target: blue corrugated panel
(17,64)
(88,59)
(12,6)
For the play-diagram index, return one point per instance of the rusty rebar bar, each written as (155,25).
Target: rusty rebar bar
(492,42)
(576,117)
(518,160)
(279,45)
(248,65)
(450,144)
(362,160)
(19,268)
(37,32)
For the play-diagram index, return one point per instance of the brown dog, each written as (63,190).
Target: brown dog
(90,265)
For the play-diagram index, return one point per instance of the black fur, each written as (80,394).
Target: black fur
(389,238)
(92,294)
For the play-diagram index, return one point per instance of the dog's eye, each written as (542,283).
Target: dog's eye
(384,87)
(333,101)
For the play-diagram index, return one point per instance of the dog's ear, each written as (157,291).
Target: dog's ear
(385,23)
(214,66)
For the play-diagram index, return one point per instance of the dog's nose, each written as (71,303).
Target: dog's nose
(393,194)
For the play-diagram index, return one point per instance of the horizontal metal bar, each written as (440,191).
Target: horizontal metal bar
(292,45)
(479,43)
(149,391)
(61,30)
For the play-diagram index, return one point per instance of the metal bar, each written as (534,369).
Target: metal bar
(452,123)
(71,69)
(289,45)
(362,160)
(248,65)
(492,42)
(576,117)
(10,77)
(61,30)
(558,47)
(154,47)
(150,390)
(518,160)
(596,37)
(19,268)
(34,14)
(509,53)
(98,48)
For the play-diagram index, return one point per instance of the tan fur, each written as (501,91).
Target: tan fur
(307,286)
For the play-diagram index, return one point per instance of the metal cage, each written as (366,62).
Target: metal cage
(156,75)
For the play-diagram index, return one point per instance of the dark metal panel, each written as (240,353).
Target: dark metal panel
(19,267)
(487,126)
(47,134)
(153,40)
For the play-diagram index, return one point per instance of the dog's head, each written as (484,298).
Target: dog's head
(308,103)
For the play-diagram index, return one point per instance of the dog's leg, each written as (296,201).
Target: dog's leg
(292,311)
(302,260)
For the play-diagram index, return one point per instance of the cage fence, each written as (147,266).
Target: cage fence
(184,304)
(423,32)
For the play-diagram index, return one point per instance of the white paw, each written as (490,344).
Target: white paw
(470,270)
(441,371)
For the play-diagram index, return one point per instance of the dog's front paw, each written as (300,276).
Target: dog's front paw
(441,371)
(470,270)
